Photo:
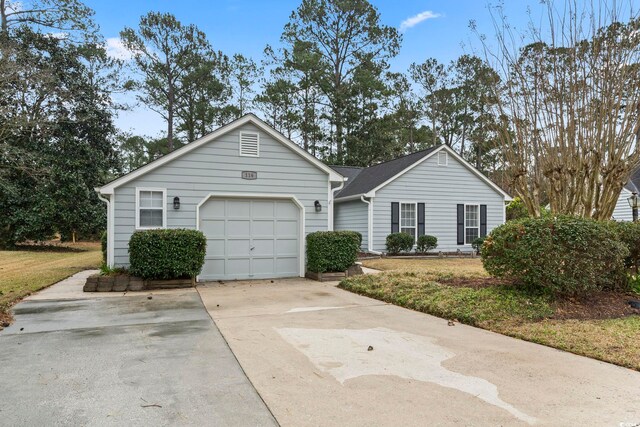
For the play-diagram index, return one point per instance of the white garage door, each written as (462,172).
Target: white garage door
(250,239)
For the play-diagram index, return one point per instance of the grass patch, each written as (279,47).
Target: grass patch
(28,270)
(425,285)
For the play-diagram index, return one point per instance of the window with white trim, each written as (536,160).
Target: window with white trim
(408,218)
(150,208)
(249,144)
(443,158)
(471,223)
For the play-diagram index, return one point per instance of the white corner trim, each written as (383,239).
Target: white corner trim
(248,118)
(164,206)
(369,223)
(110,228)
(291,197)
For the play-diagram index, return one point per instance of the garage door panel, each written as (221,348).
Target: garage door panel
(238,228)
(263,247)
(263,228)
(212,227)
(263,209)
(238,209)
(215,248)
(248,238)
(213,208)
(287,210)
(238,247)
(263,267)
(287,247)
(287,266)
(237,267)
(213,267)
(287,228)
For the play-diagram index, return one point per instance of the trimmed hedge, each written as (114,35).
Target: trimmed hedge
(167,253)
(562,254)
(426,243)
(399,242)
(330,251)
(629,234)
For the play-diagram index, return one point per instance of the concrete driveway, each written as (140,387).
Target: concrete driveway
(322,356)
(112,359)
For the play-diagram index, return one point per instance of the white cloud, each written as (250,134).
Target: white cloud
(416,19)
(116,49)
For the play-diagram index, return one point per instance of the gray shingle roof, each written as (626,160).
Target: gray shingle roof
(634,182)
(366,179)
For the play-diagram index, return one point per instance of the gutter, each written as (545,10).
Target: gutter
(369,225)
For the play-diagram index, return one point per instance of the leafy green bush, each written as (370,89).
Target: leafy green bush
(477,243)
(332,250)
(634,283)
(166,253)
(563,254)
(399,242)
(426,243)
(629,234)
(103,245)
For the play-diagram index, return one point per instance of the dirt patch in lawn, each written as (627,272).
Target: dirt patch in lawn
(600,305)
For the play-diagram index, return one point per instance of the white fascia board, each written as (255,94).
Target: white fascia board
(249,118)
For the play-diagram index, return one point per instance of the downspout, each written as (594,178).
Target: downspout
(331,207)
(369,226)
(108,202)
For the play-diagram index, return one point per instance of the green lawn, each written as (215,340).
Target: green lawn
(23,272)
(460,290)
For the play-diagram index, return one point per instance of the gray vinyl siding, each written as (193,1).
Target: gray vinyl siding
(441,188)
(352,215)
(623,212)
(215,168)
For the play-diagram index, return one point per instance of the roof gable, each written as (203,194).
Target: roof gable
(248,118)
(371,179)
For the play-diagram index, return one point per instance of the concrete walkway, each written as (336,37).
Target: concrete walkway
(119,359)
(322,356)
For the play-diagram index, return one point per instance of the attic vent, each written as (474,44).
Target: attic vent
(249,144)
(443,158)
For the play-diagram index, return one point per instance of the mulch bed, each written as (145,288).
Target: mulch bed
(5,319)
(600,305)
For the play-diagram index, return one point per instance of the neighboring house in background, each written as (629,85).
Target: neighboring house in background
(251,191)
(434,192)
(623,212)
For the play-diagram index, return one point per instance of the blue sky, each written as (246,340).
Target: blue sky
(247,26)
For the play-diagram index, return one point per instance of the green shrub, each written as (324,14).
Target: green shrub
(629,234)
(166,254)
(477,244)
(426,243)
(332,250)
(634,283)
(563,254)
(399,242)
(103,245)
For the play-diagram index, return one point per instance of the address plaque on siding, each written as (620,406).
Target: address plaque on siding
(249,175)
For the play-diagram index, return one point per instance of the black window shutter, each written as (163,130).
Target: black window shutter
(420,219)
(395,217)
(461,224)
(483,220)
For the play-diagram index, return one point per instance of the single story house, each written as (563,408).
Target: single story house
(434,192)
(622,211)
(251,191)
(256,195)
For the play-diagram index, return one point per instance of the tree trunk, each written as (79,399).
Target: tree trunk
(3,17)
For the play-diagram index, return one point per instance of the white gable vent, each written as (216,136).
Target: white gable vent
(443,158)
(249,144)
